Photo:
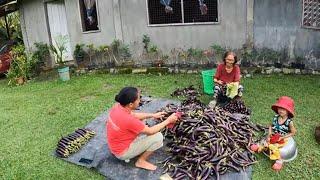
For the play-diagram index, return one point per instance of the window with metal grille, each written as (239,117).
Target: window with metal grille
(167,12)
(311,14)
(89,15)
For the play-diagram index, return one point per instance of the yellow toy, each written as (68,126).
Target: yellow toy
(274,150)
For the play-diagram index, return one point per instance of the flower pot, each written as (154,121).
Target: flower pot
(20,80)
(184,65)
(111,64)
(128,64)
(210,64)
(278,65)
(158,63)
(64,74)
(193,65)
(146,63)
(79,59)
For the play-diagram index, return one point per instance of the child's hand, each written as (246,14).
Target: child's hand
(280,139)
(268,139)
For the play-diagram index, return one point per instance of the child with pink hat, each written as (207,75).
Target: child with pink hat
(281,128)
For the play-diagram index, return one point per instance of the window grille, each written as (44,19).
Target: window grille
(162,12)
(311,14)
(89,15)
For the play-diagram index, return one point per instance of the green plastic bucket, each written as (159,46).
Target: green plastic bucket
(207,78)
(64,74)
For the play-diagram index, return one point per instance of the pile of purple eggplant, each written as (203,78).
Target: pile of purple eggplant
(189,92)
(206,143)
(237,106)
(73,142)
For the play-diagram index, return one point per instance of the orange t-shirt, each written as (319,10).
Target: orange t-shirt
(122,129)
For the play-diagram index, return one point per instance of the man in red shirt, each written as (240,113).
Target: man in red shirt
(227,72)
(127,135)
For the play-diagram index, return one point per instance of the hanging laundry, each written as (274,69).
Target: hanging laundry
(166,3)
(89,4)
(203,7)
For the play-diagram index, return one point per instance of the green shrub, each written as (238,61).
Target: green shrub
(22,64)
(78,51)
(125,71)
(146,41)
(42,55)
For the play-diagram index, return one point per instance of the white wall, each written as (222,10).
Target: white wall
(231,31)
(33,22)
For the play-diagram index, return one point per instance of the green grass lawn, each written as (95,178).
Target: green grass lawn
(33,118)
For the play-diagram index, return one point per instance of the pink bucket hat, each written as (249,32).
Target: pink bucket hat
(286,103)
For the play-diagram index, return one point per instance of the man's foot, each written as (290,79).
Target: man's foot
(145,165)
(212,104)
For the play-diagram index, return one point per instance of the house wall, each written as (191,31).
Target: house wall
(230,32)
(277,25)
(33,22)
(35,28)
(127,21)
(104,36)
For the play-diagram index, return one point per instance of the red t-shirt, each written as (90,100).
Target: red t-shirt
(122,128)
(222,74)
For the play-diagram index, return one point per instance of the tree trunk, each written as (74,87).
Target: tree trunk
(7,26)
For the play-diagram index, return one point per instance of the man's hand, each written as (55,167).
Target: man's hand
(159,115)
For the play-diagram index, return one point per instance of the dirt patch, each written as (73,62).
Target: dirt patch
(107,86)
(52,111)
(87,98)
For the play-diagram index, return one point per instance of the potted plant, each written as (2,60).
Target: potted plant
(195,56)
(58,49)
(163,60)
(154,54)
(42,54)
(183,55)
(79,53)
(218,52)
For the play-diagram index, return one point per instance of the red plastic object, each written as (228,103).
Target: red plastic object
(275,139)
(178,114)
(5,60)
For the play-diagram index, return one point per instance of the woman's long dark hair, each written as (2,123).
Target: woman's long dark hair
(230,53)
(127,95)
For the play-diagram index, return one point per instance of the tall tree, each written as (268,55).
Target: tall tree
(10,27)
